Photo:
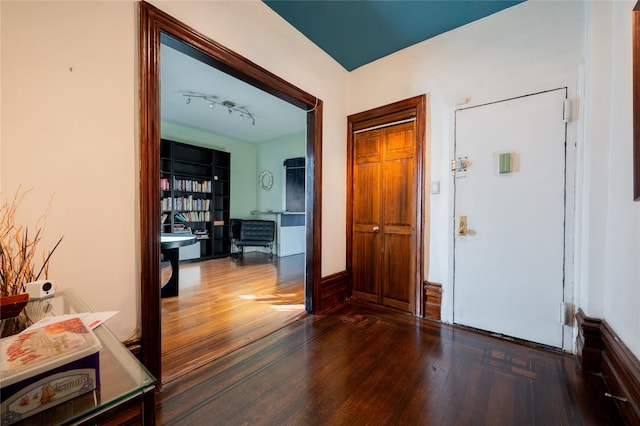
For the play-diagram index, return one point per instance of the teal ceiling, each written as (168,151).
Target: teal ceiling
(356,32)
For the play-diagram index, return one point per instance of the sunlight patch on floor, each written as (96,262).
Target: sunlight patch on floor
(190,277)
(287,308)
(269,297)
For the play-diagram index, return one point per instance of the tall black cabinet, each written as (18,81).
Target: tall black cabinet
(195,186)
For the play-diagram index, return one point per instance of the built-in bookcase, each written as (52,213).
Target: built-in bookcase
(195,186)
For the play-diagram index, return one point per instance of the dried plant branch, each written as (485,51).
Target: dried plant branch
(19,246)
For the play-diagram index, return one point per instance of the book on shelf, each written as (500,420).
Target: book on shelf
(166,203)
(193,216)
(187,203)
(164,184)
(177,229)
(192,185)
(201,234)
(181,231)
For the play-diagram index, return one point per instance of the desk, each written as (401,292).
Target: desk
(169,246)
(127,390)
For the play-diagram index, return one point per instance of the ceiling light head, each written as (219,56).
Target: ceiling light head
(211,104)
(188,101)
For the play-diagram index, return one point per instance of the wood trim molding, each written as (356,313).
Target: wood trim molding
(620,368)
(334,290)
(589,342)
(621,372)
(432,300)
(135,347)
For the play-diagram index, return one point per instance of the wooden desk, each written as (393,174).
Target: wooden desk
(169,246)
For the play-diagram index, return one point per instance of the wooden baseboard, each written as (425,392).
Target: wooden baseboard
(135,347)
(334,289)
(432,300)
(621,372)
(589,342)
(600,350)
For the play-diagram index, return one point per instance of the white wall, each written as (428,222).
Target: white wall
(70,129)
(0,99)
(492,59)
(619,251)
(583,45)
(70,126)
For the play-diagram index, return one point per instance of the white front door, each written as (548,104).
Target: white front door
(509,266)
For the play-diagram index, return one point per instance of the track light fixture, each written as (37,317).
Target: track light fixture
(229,105)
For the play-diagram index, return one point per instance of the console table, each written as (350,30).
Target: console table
(127,389)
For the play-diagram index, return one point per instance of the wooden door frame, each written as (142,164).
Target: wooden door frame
(153,22)
(415,107)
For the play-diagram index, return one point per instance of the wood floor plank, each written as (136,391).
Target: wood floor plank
(364,365)
(224,304)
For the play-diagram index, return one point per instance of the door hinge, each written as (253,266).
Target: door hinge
(567,313)
(567,115)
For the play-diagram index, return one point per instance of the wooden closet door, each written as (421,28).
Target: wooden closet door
(367,256)
(384,211)
(398,198)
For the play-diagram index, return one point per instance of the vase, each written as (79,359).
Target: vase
(13,319)
(14,325)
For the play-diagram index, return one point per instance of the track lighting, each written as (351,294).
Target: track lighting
(229,105)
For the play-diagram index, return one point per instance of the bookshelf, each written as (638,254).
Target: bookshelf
(195,186)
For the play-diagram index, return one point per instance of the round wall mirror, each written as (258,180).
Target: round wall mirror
(265,180)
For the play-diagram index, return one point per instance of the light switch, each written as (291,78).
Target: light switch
(435,187)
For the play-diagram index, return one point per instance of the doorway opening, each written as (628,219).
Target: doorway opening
(154,23)
(224,144)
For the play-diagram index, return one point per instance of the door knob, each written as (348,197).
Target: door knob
(376,229)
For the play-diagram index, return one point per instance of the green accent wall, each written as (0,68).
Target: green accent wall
(271,156)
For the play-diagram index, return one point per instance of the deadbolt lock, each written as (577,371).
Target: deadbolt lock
(459,164)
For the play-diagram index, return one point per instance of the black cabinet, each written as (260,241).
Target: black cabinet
(195,184)
(221,203)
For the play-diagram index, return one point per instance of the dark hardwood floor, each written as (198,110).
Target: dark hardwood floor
(362,365)
(223,304)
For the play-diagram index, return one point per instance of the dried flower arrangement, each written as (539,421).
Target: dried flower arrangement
(18,252)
